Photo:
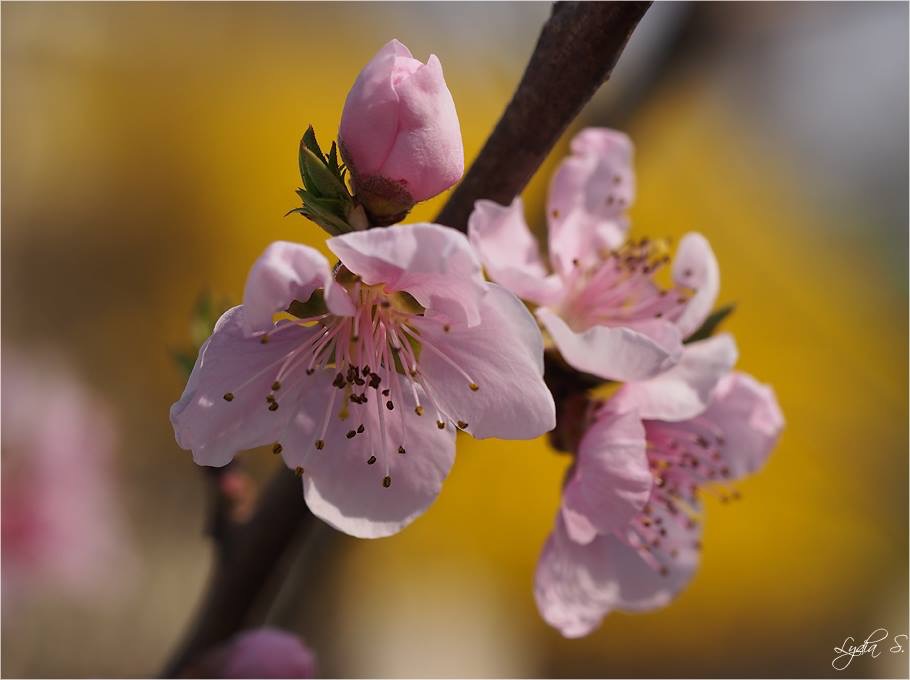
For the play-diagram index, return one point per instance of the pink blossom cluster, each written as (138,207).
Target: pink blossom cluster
(360,372)
(627,535)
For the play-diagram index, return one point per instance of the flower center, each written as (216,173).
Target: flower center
(375,355)
(620,288)
(685,458)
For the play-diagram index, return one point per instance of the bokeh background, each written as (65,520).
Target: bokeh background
(149,152)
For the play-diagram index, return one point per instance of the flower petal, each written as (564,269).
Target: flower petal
(230,362)
(750,418)
(369,121)
(611,482)
(339,484)
(433,263)
(588,198)
(683,391)
(695,267)
(427,155)
(569,597)
(576,584)
(503,357)
(616,353)
(509,252)
(283,273)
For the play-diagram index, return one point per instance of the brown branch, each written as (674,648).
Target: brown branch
(575,53)
(245,566)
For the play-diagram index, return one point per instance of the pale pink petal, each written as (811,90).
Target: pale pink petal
(576,584)
(616,353)
(427,156)
(750,419)
(231,362)
(569,596)
(369,121)
(683,391)
(695,267)
(611,481)
(339,484)
(502,357)
(641,585)
(588,198)
(509,252)
(283,273)
(435,264)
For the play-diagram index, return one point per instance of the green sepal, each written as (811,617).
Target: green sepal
(711,324)
(325,196)
(206,312)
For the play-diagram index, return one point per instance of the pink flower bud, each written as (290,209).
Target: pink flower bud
(259,653)
(399,133)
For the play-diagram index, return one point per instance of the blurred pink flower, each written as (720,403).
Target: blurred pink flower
(365,397)
(601,303)
(628,535)
(260,653)
(62,525)
(399,130)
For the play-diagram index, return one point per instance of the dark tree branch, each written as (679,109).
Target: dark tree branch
(575,53)
(244,566)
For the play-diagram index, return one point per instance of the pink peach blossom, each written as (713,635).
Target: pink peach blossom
(63,527)
(628,534)
(364,399)
(399,124)
(599,299)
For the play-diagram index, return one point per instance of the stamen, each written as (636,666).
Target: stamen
(387,481)
(228,396)
(277,449)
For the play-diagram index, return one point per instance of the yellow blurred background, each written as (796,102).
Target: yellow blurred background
(149,152)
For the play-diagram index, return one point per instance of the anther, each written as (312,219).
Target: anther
(298,471)
(276,386)
(277,449)
(418,410)
(389,405)
(273,406)
(360,429)
(320,445)
(228,396)
(462,425)
(401,449)
(386,392)
(351,434)
(474,387)
(440,424)
(310,371)
(387,481)
(264,339)
(371,460)
(338,381)
(446,328)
